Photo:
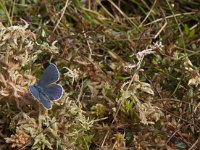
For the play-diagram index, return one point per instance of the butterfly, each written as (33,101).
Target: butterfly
(46,89)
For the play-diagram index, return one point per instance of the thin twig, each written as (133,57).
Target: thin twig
(65,7)
(195,146)
(171,16)
(148,13)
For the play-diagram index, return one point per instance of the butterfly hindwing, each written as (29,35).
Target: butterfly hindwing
(34,92)
(50,75)
(54,91)
(45,101)
(40,96)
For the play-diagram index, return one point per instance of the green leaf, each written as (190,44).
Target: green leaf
(22,2)
(194,46)
(192,33)
(43,33)
(128,135)
(118,77)
(181,145)
(77,3)
(186,29)
(128,106)
(190,92)
(157,124)
(190,108)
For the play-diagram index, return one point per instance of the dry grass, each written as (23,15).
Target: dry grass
(130,71)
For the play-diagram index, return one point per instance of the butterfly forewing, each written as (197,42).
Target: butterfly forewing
(50,75)
(54,91)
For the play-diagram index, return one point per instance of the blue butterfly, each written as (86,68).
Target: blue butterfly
(46,90)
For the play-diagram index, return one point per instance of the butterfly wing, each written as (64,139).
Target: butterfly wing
(34,92)
(54,91)
(40,96)
(46,89)
(50,75)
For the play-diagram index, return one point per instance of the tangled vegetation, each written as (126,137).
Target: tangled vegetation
(129,69)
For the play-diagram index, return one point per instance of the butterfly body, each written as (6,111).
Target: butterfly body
(46,90)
